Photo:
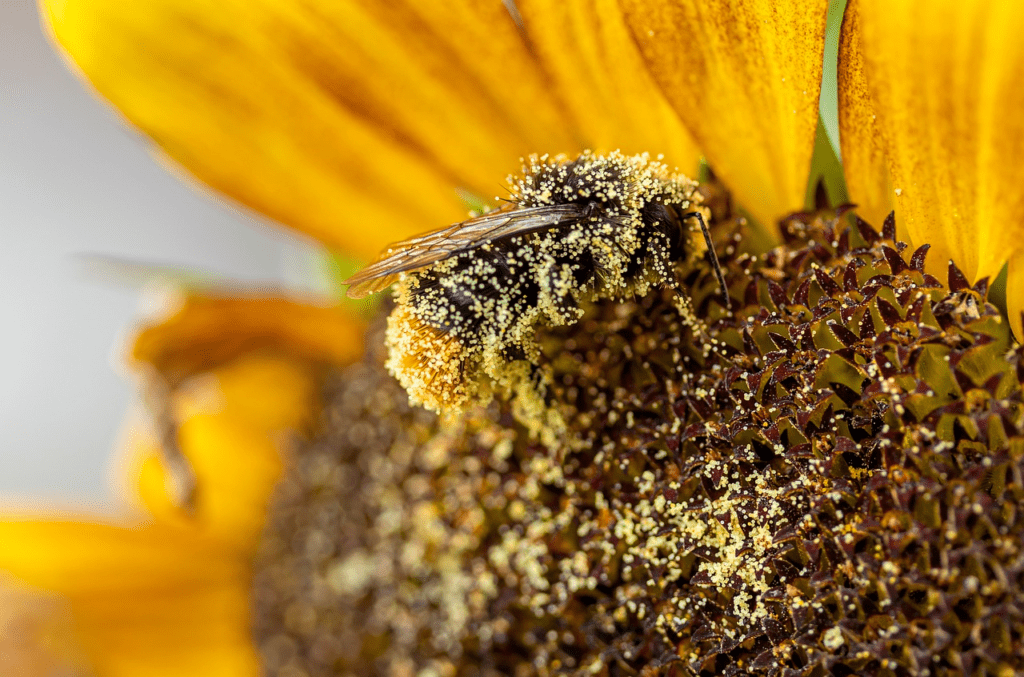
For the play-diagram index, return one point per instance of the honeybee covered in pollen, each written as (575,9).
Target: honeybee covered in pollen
(471,296)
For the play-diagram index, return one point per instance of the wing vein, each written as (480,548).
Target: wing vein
(425,250)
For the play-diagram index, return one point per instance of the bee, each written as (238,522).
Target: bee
(470,297)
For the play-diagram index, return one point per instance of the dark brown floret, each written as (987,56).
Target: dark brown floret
(828,481)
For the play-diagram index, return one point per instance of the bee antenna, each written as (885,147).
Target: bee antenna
(714,256)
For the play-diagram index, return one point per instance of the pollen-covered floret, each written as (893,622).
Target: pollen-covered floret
(830,482)
(489,300)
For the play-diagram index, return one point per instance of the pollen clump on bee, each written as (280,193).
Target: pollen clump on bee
(428,361)
(574,231)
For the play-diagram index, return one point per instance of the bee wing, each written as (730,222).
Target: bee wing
(420,252)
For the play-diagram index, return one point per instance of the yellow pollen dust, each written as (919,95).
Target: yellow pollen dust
(427,362)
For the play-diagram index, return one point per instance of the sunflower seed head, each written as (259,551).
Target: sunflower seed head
(827,480)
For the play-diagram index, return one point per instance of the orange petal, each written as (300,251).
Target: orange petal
(208,331)
(945,78)
(744,76)
(354,121)
(600,74)
(145,601)
(864,162)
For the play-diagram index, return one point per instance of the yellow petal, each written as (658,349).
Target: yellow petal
(149,600)
(354,121)
(244,375)
(744,76)
(600,74)
(864,162)
(235,425)
(946,82)
(208,331)
(85,559)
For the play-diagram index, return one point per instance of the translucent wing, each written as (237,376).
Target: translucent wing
(423,251)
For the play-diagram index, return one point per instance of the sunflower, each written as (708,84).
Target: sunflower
(362,123)
(164,588)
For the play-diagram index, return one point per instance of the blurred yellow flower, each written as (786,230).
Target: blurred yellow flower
(165,590)
(361,122)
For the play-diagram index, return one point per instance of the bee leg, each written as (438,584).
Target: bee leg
(556,296)
(684,304)
(566,309)
(714,256)
(659,260)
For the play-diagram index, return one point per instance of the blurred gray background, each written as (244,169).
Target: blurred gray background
(75,182)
